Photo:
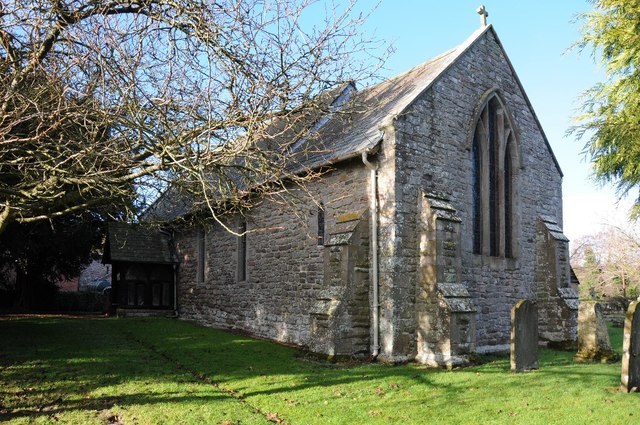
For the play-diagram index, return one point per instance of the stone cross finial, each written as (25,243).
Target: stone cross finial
(482,11)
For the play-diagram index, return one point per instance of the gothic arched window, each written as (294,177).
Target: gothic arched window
(320,224)
(493,166)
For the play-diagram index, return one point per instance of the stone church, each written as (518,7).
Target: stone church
(443,208)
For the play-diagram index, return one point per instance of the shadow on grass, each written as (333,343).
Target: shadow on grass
(99,404)
(227,358)
(53,366)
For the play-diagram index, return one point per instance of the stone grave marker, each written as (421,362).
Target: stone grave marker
(524,336)
(593,337)
(630,379)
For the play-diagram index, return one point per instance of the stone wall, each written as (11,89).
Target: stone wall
(286,277)
(444,308)
(615,309)
(432,148)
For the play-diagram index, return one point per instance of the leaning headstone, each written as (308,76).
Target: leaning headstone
(524,336)
(631,350)
(593,337)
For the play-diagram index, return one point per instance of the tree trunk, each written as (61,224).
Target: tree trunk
(5,217)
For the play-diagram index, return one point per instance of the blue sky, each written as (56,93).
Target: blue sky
(536,37)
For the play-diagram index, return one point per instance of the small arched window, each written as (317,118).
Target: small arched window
(320,224)
(201,250)
(493,164)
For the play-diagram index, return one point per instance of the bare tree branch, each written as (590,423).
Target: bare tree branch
(103,104)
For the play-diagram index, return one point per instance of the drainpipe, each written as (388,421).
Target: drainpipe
(175,290)
(373,207)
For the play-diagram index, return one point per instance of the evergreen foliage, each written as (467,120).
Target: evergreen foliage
(35,256)
(610,119)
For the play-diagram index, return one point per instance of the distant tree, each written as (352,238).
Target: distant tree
(608,263)
(587,268)
(610,118)
(105,101)
(35,256)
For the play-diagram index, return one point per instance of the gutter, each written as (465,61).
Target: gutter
(373,208)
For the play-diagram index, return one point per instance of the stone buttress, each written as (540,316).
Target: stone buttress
(444,308)
(340,314)
(557,302)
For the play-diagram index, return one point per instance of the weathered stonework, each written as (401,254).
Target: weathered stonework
(557,302)
(438,298)
(444,309)
(630,374)
(593,336)
(524,336)
(290,278)
(340,314)
(431,147)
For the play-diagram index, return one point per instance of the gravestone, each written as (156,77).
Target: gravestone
(593,337)
(524,336)
(630,379)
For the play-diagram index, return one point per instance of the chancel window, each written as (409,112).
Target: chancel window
(493,166)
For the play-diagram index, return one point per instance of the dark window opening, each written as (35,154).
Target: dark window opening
(321,224)
(200,253)
(493,174)
(494,208)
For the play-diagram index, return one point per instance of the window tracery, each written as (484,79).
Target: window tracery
(493,166)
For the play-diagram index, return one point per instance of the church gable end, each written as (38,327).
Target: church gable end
(473,136)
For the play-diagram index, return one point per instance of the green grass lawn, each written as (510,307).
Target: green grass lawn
(160,371)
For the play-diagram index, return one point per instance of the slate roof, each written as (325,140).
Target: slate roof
(173,203)
(358,127)
(136,244)
(350,134)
